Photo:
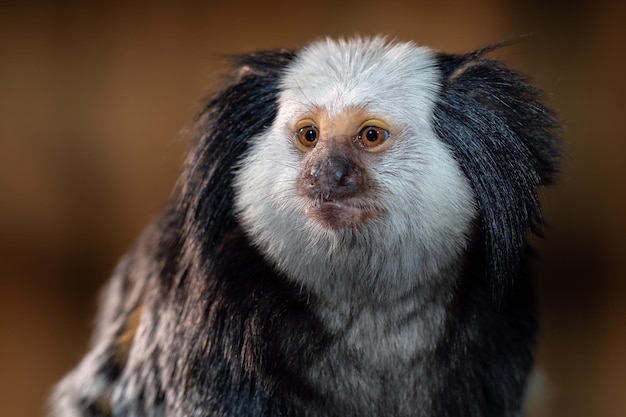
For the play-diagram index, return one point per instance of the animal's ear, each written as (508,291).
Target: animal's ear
(265,63)
(506,142)
(242,109)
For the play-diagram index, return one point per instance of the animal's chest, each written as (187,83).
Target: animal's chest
(377,363)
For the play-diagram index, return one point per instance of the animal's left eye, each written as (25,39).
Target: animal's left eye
(372,136)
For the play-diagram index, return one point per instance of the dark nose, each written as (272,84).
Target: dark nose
(332,177)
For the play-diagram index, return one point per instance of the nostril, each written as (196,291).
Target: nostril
(343,178)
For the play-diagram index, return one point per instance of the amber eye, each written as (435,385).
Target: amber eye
(371,136)
(308,136)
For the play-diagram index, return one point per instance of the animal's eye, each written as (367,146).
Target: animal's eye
(308,136)
(372,136)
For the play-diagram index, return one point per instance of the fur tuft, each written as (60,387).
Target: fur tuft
(505,141)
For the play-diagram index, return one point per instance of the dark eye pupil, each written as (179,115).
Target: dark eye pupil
(371,135)
(310,135)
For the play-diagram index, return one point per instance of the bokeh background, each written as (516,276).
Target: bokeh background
(95,99)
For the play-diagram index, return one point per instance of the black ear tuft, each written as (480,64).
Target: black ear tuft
(229,120)
(506,142)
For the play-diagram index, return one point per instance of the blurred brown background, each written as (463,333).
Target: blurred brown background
(93,99)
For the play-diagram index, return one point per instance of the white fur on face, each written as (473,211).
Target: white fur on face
(425,204)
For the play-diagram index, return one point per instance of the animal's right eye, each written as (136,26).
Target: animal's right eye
(307,136)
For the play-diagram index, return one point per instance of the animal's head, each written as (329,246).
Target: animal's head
(367,166)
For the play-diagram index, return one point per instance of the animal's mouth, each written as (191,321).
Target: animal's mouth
(337,214)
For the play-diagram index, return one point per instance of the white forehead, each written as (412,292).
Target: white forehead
(394,79)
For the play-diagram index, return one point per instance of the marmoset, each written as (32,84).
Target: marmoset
(348,237)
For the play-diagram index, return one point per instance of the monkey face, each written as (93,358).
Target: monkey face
(351,178)
(334,181)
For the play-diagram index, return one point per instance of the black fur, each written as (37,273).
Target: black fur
(495,124)
(223,334)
